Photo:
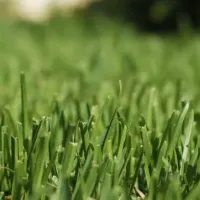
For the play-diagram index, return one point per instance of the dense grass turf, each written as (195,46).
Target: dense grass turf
(100,112)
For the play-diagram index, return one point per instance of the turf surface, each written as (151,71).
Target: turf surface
(100,111)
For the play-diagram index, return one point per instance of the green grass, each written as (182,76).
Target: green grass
(99,112)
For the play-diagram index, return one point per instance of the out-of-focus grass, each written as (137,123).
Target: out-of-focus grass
(121,107)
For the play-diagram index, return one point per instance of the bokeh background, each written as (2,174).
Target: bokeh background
(89,45)
(147,15)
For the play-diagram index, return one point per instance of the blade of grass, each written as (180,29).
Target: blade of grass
(187,142)
(159,164)
(41,159)
(146,144)
(24,107)
(86,167)
(177,130)
(136,171)
(107,130)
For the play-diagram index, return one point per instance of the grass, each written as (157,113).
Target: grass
(99,112)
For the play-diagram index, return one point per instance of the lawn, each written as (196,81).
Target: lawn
(92,109)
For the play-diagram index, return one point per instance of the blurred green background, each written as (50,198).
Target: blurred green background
(96,48)
(147,15)
(153,15)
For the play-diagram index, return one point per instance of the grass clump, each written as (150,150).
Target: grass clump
(98,137)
